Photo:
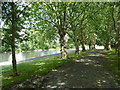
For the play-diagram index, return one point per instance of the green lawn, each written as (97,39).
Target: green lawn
(114,59)
(38,67)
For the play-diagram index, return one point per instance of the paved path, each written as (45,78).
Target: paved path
(39,57)
(89,71)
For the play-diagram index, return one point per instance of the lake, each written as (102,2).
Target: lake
(6,58)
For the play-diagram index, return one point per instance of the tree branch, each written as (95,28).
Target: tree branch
(23,10)
(50,7)
(80,13)
(78,16)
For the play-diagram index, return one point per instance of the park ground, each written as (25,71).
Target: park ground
(91,69)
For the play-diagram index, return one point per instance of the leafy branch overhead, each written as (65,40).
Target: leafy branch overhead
(40,25)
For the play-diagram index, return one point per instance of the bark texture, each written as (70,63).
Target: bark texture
(91,44)
(118,34)
(83,45)
(107,45)
(82,39)
(62,44)
(13,39)
(76,46)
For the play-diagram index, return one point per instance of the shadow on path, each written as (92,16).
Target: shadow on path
(89,71)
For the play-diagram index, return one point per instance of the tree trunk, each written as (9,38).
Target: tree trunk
(76,46)
(114,25)
(83,45)
(107,40)
(116,43)
(14,61)
(118,35)
(107,46)
(62,44)
(82,39)
(13,40)
(93,44)
(90,46)
(119,46)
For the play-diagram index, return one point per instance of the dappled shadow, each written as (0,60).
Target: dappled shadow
(87,72)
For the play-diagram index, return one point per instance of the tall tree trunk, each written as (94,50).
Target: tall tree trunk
(75,40)
(89,46)
(13,40)
(62,33)
(82,40)
(62,44)
(93,44)
(118,34)
(83,45)
(76,46)
(119,45)
(107,41)
(116,43)
(107,45)
(114,26)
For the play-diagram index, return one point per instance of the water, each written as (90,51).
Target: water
(6,58)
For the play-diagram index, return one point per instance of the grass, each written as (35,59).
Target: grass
(114,59)
(38,67)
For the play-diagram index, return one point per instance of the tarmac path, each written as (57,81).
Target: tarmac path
(89,71)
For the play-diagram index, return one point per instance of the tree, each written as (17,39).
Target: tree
(118,34)
(78,15)
(54,15)
(13,23)
(12,27)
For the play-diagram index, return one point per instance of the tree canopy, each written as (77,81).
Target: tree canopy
(44,25)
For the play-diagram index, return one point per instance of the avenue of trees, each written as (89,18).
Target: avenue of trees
(40,25)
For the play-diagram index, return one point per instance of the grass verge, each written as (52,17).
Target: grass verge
(37,67)
(114,63)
